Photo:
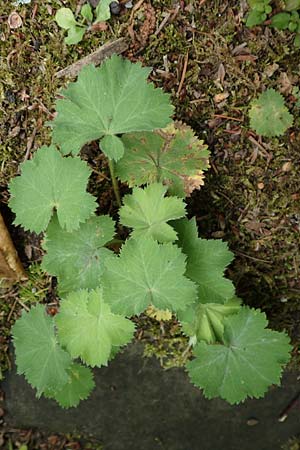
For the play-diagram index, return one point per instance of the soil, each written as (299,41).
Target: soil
(251,195)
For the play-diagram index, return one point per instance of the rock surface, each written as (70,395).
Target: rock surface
(139,406)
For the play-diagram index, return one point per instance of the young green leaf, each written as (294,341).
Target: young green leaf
(292,5)
(110,100)
(38,355)
(103,11)
(281,21)
(65,18)
(75,35)
(250,360)
(268,114)
(174,156)
(205,321)
(297,40)
(206,263)
(147,273)
(79,386)
(112,146)
(88,329)
(77,258)
(147,211)
(255,18)
(86,12)
(51,182)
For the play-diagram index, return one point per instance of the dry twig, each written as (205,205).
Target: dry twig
(105,51)
(183,74)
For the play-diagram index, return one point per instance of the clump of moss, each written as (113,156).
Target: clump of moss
(292,444)
(36,287)
(163,340)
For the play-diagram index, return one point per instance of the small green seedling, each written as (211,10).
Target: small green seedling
(77,28)
(258,12)
(268,114)
(287,19)
(163,265)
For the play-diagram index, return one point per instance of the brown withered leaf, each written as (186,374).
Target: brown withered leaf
(11,269)
(14,20)
(158,314)
(173,156)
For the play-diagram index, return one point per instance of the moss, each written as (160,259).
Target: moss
(37,287)
(164,341)
(292,444)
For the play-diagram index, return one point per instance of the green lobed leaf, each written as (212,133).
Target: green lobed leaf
(51,182)
(78,387)
(206,263)
(174,156)
(268,114)
(107,101)
(147,273)
(77,258)
(205,321)
(38,355)
(250,360)
(88,329)
(147,211)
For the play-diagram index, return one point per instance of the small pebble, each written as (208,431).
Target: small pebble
(287,166)
(260,185)
(115,8)
(251,422)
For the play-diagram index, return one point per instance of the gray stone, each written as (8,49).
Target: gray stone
(139,406)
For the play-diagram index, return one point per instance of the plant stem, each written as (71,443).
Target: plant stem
(114,181)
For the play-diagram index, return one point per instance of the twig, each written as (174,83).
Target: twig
(79,6)
(255,142)
(163,23)
(106,50)
(34,11)
(114,181)
(284,414)
(253,258)
(183,74)
(30,143)
(135,8)
(12,310)
(169,18)
(23,306)
(223,116)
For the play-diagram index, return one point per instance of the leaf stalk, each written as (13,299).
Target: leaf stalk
(114,181)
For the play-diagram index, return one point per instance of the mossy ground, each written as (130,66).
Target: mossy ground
(251,196)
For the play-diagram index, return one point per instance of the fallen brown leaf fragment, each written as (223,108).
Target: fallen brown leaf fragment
(14,20)
(11,269)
